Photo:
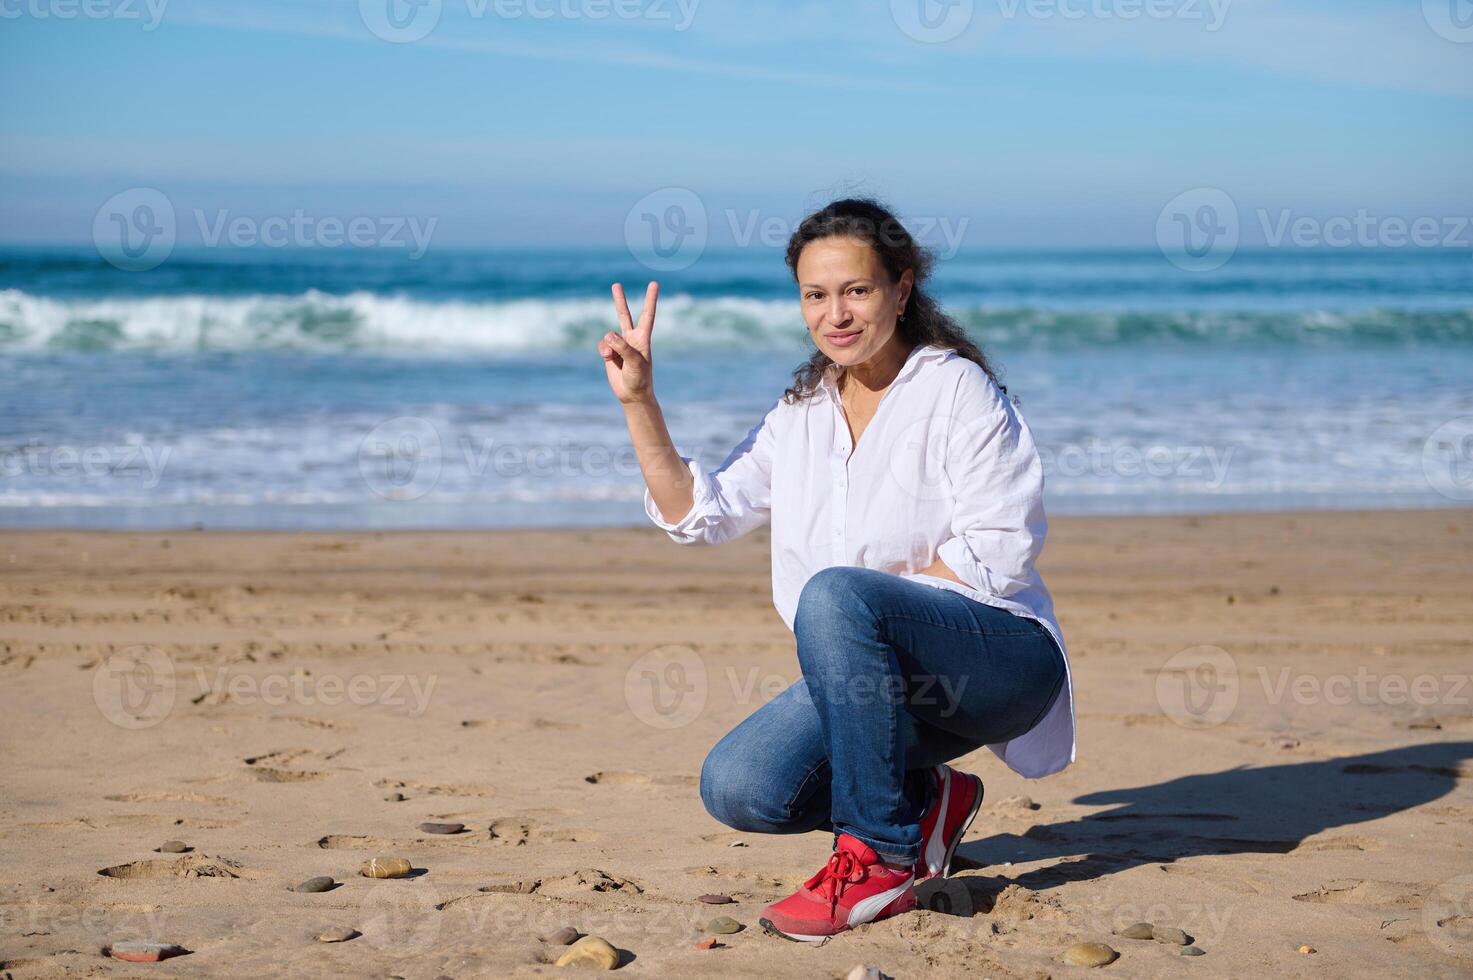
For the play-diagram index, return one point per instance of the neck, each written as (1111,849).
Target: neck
(877,372)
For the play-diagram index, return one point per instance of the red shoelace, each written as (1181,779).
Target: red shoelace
(842,869)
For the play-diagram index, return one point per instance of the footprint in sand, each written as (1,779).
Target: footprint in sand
(1344,843)
(517,831)
(536,724)
(1353,891)
(637,779)
(316,723)
(192,866)
(581,882)
(435,789)
(167,797)
(267,774)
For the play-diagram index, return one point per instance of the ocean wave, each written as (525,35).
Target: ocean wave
(372,322)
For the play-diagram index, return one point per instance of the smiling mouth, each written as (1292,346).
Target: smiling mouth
(842,333)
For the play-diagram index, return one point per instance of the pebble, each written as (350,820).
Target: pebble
(1193,951)
(1306,950)
(337,935)
(709,942)
(737,843)
(590,951)
(395,798)
(716,899)
(724,925)
(442,828)
(386,867)
(863,972)
(1138,930)
(1425,724)
(1089,954)
(174,847)
(1170,934)
(144,952)
(321,883)
(566,936)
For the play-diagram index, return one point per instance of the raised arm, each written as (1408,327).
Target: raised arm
(691,505)
(628,363)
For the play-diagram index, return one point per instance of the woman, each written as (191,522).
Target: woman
(904,492)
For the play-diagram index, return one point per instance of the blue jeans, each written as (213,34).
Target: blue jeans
(898,676)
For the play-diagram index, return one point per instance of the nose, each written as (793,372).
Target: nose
(838,313)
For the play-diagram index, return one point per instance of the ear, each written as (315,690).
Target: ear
(907,282)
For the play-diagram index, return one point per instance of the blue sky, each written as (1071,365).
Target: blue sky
(1040,123)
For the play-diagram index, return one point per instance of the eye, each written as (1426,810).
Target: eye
(860,290)
(812,295)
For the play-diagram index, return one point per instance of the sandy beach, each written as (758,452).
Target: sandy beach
(1275,752)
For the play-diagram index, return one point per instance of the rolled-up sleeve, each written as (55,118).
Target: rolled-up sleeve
(998,522)
(732,500)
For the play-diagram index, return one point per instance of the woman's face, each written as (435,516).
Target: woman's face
(848,300)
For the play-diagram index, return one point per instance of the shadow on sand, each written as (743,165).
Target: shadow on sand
(1266,810)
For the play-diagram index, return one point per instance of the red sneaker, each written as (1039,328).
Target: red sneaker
(957,797)
(855,887)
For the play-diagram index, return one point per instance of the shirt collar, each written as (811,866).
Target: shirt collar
(918,356)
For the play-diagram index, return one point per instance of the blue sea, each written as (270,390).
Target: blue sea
(321,388)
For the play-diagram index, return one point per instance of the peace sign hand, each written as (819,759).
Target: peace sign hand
(626,354)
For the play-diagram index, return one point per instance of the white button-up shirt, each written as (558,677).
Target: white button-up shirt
(946,468)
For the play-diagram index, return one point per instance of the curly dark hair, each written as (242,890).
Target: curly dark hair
(869,221)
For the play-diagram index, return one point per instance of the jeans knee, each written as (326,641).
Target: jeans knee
(732,793)
(721,791)
(830,595)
